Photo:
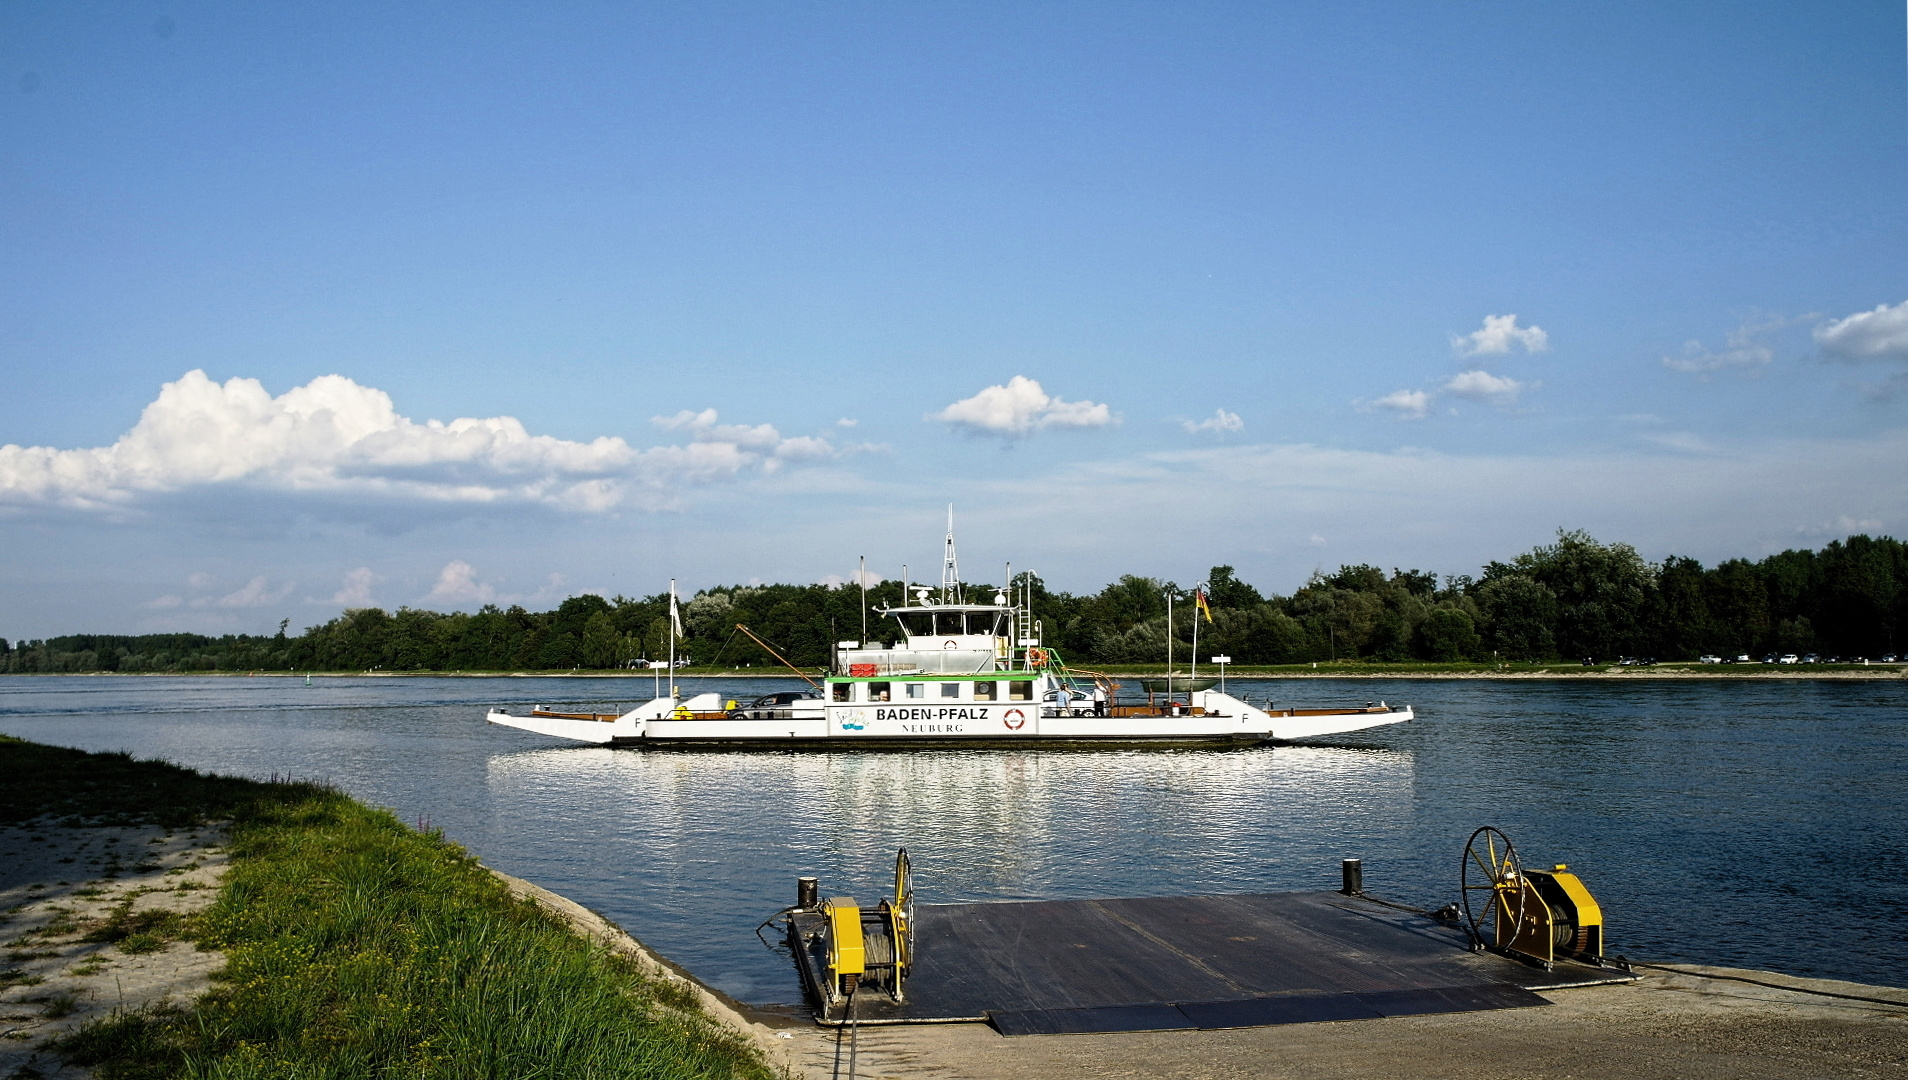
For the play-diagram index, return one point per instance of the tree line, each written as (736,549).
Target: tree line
(1572,599)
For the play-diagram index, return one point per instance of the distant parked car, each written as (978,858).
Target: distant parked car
(1742,658)
(1789,658)
(1891,658)
(1814,659)
(1709,659)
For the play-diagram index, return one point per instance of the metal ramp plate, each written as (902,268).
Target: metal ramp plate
(1155,963)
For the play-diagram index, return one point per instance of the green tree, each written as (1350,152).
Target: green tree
(1448,634)
(1602,593)
(1225,590)
(1520,612)
(600,641)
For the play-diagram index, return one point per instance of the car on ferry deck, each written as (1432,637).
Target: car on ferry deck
(778,706)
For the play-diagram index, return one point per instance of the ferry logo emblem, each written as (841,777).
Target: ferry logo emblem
(855,721)
(850,725)
(1015,719)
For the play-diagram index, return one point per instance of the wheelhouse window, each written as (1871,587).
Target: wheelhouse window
(1020,690)
(844,691)
(877,691)
(916,689)
(983,691)
(950,689)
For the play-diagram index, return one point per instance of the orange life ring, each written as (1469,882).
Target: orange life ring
(1036,656)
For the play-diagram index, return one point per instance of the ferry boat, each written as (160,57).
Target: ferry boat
(962,674)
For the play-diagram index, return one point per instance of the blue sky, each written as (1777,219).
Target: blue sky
(1139,287)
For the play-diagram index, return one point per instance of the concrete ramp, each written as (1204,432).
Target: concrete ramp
(1155,963)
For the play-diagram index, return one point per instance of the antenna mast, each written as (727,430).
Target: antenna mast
(950,571)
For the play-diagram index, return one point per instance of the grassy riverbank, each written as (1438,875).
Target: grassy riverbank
(357,946)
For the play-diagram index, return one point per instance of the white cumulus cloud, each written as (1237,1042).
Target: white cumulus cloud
(254,593)
(356,592)
(457,584)
(1019,409)
(858,577)
(1881,334)
(335,436)
(1498,335)
(1743,348)
(1219,422)
(1408,404)
(1486,387)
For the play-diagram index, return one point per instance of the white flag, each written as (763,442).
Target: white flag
(675,618)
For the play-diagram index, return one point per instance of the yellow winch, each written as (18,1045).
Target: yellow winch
(1535,914)
(862,946)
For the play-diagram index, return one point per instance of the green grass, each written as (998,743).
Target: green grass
(358,947)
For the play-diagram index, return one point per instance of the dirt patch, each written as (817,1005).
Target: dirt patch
(90,923)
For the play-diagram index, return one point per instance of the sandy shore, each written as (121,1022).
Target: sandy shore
(59,887)
(68,899)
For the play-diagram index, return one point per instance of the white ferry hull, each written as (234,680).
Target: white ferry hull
(1211,718)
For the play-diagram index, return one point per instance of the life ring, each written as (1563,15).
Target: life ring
(1015,719)
(1036,656)
(951,644)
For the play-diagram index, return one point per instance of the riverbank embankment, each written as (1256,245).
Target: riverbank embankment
(338,941)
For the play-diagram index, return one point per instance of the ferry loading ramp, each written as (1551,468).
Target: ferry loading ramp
(1162,963)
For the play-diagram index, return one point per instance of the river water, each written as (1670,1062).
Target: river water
(1755,823)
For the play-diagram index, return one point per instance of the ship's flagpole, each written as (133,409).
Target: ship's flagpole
(675,628)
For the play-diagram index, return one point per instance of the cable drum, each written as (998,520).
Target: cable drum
(1564,930)
(880,950)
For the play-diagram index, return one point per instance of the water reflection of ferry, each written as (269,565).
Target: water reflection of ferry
(964,674)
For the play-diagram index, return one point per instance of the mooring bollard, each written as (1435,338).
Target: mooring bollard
(807,893)
(1354,871)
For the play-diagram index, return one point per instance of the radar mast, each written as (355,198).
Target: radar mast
(950,570)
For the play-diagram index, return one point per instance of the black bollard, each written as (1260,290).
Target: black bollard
(1354,871)
(807,893)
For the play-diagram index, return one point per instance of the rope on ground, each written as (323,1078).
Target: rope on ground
(854,1031)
